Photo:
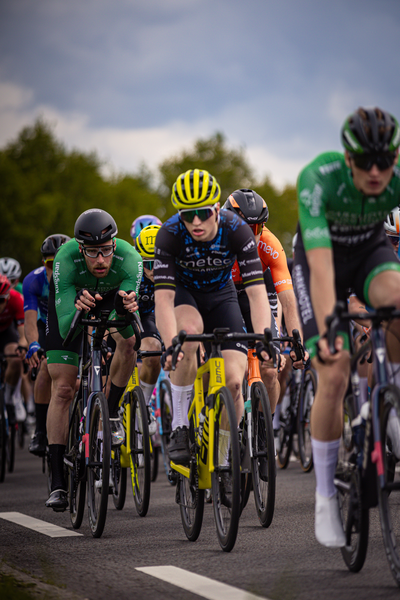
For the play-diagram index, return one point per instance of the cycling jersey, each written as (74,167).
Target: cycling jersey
(146,296)
(13,311)
(332,210)
(205,266)
(36,292)
(70,274)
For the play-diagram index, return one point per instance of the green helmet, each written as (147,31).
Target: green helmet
(370,130)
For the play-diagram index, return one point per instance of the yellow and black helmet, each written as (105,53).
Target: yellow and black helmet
(146,240)
(194,189)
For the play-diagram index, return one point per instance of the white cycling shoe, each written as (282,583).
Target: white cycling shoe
(393,432)
(328,525)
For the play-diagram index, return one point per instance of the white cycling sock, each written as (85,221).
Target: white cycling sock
(394,371)
(363,390)
(181,396)
(147,389)
(325,455)
(275,420)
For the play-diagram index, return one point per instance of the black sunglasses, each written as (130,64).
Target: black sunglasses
(189,214)
(383,160)
(394,239)
(148,264)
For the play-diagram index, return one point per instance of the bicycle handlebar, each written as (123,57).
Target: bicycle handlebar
(130,319)
(34,370)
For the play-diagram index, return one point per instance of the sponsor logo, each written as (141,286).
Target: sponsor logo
(209,261)
(97,370)
(268,250)
(66,357)
(159,265)
(303,298)
(250,244)
(312,200)
(218,372)
(326,169)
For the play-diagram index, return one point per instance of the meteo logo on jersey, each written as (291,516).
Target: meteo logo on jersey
(268,250)
(206,262)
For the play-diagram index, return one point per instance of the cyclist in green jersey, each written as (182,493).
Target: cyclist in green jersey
(341,244)
(93,272)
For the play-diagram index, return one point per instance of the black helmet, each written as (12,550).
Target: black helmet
(249,205)
(52,243)
(95,226)
(370,130)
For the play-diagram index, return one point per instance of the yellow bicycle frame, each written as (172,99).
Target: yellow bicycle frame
(205,456)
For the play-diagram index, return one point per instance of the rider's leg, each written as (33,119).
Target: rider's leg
(235,367)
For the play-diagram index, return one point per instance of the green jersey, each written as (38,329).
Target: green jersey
(332,210)
(70,274)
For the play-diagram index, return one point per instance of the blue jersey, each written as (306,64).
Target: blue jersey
(206,266)
(146,296)
(36,292)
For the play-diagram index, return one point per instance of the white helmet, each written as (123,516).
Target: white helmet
(10,268)
(392,223)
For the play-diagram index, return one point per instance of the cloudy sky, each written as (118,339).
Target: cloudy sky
(139,80)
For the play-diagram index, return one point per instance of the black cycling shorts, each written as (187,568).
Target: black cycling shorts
(354,269)
(9,336)
(149,327)
(217,309)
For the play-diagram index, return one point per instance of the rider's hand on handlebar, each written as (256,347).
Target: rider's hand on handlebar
(85,301)
(324,353)
(129,301)
(299,364)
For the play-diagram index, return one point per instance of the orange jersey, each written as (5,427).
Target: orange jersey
(272,255)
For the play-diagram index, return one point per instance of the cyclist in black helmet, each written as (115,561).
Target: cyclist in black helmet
(341,244)
(36,298)
(94,271)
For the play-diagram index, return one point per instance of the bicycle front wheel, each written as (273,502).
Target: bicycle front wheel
(226,475)
(165,400)
(119,477)
(140,452)
(11,448)
(303,420)
(75,469)
(285,436)
(389,495)
(263,460)
(98,472)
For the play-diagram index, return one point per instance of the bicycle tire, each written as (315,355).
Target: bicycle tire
(98,468)
(140,452)
(303,421)
(165,399)
(189,497)
(389,496)
(119,476)
(246,485)
(3,437)
(11,448)
(21,434)
(355,519)
(76,474)
(263,466)
(226,476)
(285,437)
(155,450)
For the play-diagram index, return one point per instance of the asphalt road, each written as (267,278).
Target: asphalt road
(283,562)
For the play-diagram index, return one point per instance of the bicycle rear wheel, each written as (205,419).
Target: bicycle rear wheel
(389,495)
(155,450)
(98,472)
(76,472)
(263,460)
(119,477)
(303,420)
(189,497)
(3,437)
(140,452)
(285,436)
(165,399)
(226,475)
(11,438)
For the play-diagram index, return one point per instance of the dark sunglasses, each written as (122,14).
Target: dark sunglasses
(256,227)
(93,252)
(189,214)
(3,299)
(148,264)
(383,160)
(394,239)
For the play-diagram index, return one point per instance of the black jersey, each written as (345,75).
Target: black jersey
(206,266)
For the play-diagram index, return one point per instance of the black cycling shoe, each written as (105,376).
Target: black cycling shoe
(178,447)
(38,444)
(58,500)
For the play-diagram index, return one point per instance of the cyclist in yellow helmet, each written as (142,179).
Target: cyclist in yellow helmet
(194,254)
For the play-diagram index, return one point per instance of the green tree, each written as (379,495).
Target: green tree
(229,166)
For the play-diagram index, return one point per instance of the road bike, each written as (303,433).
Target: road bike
(88,453)
(137,450)
(295,417)
(368,471)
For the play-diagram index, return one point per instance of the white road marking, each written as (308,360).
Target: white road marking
(38,525)
(197,584)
